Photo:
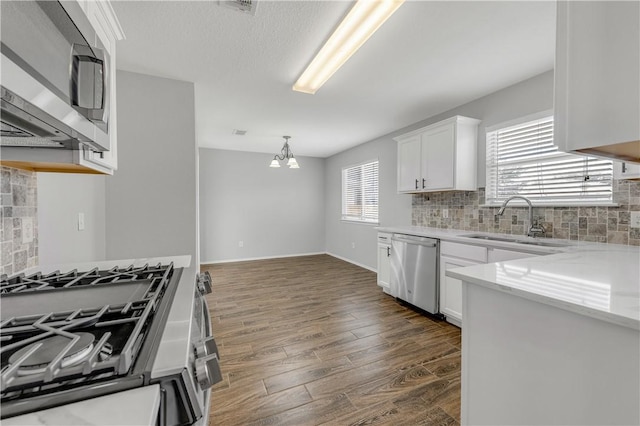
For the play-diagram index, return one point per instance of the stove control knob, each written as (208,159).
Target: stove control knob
(206,347)
(208,371)
(204,282)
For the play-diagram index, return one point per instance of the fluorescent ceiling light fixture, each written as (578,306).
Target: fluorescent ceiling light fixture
(364,18)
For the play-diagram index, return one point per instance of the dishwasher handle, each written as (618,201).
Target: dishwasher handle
(410,239)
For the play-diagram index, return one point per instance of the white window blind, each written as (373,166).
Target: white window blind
(522,160)
(360,192)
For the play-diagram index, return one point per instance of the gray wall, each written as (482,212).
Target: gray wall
(61,197)
(274,212)
(527,97)
(394,208)
(521,99)
(151,200)
(157,179)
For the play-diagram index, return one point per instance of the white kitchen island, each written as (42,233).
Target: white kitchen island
(552,339)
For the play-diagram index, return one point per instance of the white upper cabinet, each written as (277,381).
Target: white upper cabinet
(597,78)
(623,170)
(108,31)
(440,157)
(409,163)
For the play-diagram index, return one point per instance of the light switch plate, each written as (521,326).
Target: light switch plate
(80,221)
(635,220)
(27,230)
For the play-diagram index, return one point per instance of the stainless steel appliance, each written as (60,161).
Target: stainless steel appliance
(55,78)
(71,336)
(414,271)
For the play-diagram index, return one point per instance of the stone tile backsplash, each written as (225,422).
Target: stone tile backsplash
(19,231)
(464,211)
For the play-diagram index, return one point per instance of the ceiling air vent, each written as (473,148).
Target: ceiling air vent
(246,6)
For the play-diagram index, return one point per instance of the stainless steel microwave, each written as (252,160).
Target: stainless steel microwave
(55,78)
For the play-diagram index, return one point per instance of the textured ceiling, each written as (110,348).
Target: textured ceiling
(427,58)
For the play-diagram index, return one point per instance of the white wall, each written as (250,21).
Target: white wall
(61,196)
(527,97)
(274,212)
(151,200)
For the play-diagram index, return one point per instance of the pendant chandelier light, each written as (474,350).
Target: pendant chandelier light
(285,154)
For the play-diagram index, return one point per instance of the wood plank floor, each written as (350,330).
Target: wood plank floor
(313,340)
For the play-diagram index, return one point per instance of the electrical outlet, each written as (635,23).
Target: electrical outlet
(80,221)
(353,245)
(240,244)
(635,220)
(445,213)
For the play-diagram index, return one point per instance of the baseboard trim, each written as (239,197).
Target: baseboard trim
(353,262)
(247,259)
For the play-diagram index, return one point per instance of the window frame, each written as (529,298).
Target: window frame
(343,194)
(491,201)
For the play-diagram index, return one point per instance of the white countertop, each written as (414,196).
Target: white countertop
(133,407)
(601,281)
(178,262)
(460,236)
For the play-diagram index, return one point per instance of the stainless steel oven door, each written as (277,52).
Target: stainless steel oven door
(206,367)
(187,351)
(204,347)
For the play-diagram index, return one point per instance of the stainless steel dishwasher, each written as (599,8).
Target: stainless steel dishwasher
(414,271)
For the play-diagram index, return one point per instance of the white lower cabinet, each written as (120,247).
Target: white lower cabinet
(451,289)
(456,255)
(384,261)
(501,255)
(452,255)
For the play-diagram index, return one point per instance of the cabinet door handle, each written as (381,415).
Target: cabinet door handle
(416,183)
(423,180)
(624,167)
(388,251)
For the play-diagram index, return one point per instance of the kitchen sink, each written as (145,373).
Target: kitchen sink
(543,243)
(540,243)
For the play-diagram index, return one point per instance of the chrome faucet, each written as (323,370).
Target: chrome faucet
(534,228)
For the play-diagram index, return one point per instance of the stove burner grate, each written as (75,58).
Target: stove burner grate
(77,343)
(72,279)
(36,356)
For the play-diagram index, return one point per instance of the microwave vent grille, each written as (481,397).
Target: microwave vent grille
(31,142)
(11,131)
(245,6)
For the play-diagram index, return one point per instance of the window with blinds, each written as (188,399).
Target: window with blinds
(522,160)
(360,192)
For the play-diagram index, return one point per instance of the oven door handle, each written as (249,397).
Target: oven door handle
(207,344)
(207,318)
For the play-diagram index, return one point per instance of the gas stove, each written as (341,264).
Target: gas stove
(80,334)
